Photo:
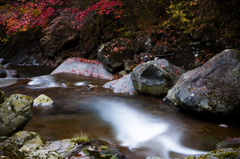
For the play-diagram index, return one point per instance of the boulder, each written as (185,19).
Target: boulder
(2,72)
(212,89)
(15,114)
(84,67)
(229,153)
(155,77)
(113,54)
(123,85)
(43,100)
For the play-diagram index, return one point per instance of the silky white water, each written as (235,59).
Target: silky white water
(134,129)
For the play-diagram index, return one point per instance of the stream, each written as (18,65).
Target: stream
(139,126)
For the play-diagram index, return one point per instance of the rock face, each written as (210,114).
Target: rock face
(84,67)
(155,77)
(43,100)
(113,54)
(2,72)
(123,85)
(15,113)
(212,89)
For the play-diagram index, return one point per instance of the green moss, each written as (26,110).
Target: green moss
(229,153)
(80,138)
(2,97)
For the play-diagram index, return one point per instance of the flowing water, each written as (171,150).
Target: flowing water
(139,126)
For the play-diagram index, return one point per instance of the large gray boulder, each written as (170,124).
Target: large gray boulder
(155,77)
(212,89)
(113,54)
(15,114)
(84,67)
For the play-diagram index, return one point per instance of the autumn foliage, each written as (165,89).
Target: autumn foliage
(22,15)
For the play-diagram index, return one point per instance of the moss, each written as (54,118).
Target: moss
(229,153)
(80,138)
(2,97)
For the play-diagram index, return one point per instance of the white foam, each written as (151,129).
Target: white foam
(135,129)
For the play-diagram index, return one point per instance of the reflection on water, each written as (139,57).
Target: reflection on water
(140,126)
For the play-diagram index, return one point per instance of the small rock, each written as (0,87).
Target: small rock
(122,73)
(223,125)
(43,100)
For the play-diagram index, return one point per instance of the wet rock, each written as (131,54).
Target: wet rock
(223,125)
(114,53)
(84,67)
(153,158)
(43,100)
(12,73)
(123,85)
(229,143)
(42,154)
(155,77)
(99,151)
(2,72)
(15,114)
(212,89)
(32,140)
(229,153)
(66,148)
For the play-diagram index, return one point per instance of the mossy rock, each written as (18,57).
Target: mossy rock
(43,100)
(30,138)
(229,153)
(15,113)
(2,97)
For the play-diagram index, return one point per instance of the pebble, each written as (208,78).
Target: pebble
(223,125)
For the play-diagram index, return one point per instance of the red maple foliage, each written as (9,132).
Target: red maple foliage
(22,15)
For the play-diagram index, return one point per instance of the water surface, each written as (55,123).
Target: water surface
(139,126)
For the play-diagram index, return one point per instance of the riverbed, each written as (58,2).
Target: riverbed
(138,125)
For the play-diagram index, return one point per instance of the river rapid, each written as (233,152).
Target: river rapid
(139,126)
